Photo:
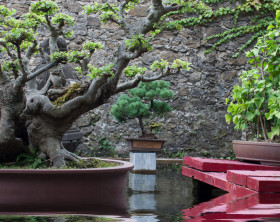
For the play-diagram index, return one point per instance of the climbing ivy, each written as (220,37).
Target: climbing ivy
(261,11)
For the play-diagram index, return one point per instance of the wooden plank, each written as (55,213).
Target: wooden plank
(218,180)
(264,184)
(217,165)
(240,176)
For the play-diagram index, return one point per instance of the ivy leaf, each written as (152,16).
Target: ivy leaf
(250,116)
(277,15)
(228,118)
(259,101)
(274,132)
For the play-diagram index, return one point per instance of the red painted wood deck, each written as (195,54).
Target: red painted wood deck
(254,190)
(233,176)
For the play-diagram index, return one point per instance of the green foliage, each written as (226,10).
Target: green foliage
(153,90)
(131,71)
(59,57)
(33,20)
(180,64)
(89,163)
(29,159)
(47,7)
(204,12)
(10,66)
(92,46)
(106,11)
(17,35)
(128,107)
(63,19)
(163,65)
(255,104)
(138,42)
(78,70)
(156,127)
(159,65)
(5,12)
(105,148)
(76,56)
(98,72)
(143,101)
(46,12)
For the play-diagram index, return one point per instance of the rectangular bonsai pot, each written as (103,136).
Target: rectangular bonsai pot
(145,144)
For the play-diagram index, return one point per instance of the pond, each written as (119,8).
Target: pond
(160,196)
(150,197)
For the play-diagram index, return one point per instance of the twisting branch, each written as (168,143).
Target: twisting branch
(43,69)
(121,14)
(135,54)
(139,78)
(110,7)
(172,8)
(145,25)
(49,24)
(80,104)
(31,50)
(23,77)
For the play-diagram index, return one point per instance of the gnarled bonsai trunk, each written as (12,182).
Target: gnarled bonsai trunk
(46,135)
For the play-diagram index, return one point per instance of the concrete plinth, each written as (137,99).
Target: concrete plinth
(143,161)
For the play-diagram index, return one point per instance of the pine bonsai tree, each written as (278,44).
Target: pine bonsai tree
(142,102)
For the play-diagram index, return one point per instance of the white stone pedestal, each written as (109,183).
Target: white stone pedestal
(143,161)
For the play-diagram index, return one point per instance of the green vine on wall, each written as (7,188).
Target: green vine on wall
(261,11)
(197,13)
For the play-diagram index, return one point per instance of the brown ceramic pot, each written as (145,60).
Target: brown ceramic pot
(264,152)
(144,144)
(83,191)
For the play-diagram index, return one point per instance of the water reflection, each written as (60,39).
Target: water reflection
(160,196)
(54,219)
(229,207)
(150,197)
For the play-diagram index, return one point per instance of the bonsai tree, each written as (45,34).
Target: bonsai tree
(142,102)
(254,105)
(39,118)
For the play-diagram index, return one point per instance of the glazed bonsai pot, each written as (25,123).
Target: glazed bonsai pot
(145,145)
(263,152)
(84,191)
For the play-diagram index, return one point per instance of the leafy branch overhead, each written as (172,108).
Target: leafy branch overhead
(161,66)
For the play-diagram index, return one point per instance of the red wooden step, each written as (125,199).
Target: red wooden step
(218,180)
(264,184)
(240,176)
(217,165)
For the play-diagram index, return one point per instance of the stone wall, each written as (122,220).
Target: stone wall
(196,126)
